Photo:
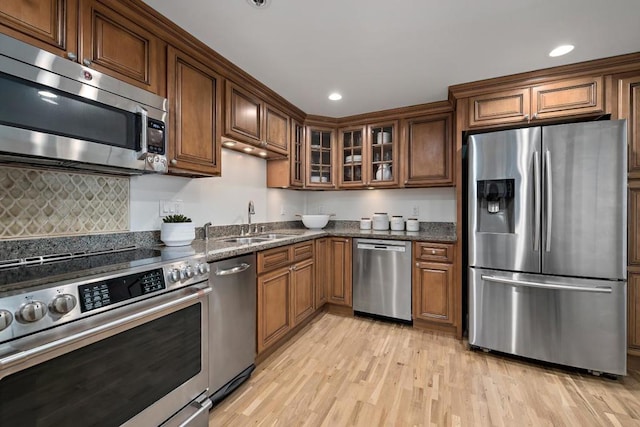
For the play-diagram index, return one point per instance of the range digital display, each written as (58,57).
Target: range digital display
(100,294)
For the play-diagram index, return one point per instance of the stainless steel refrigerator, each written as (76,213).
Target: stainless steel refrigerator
(547,212)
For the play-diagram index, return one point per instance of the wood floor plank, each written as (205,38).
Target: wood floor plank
(341,371)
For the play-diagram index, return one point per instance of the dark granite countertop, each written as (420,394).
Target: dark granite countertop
(217,248)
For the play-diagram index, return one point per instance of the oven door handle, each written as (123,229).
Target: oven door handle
(134,319)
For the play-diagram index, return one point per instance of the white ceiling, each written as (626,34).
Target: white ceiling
(391,53)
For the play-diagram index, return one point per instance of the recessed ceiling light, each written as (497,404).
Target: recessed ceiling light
(260,4)
(561,50)
(248,149)
(335,96)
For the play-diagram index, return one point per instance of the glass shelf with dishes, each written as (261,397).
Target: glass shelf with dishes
(351,152)
(383,149)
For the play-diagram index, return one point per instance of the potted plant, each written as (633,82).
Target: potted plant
(177,230)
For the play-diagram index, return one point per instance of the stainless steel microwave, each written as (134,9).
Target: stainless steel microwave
(57,113)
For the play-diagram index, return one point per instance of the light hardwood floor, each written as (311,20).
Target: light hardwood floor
(341,371)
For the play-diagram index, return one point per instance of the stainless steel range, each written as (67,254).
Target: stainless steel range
(113,338)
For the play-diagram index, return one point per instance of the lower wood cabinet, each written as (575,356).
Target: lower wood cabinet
(433,283)
(286,291)
(339,271)
(322,270)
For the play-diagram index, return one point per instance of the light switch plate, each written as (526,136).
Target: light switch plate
(170,207)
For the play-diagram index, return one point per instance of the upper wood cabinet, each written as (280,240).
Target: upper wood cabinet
(629,108)
(368,155)
(110,38)
(320,158)
(48,24)
(195,93)
(251,120)
(428,151)
(579,96)
(290,172)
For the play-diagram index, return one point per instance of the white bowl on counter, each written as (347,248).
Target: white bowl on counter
(315,222)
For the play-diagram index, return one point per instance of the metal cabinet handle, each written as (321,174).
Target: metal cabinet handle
(526,117)
(72,56)
(535,116)
(417,264)
(433,251)
(549,207)
(538,201)
(174,162)
(86,62)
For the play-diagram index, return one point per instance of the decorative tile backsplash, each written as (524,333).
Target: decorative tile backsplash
(36,203)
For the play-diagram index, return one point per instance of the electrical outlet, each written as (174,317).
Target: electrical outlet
(170,207)
(416,210)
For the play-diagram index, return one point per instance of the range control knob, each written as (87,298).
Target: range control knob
(203,268)
(5,319)
(174,275)
(32,311)
(62,304)
(189,272)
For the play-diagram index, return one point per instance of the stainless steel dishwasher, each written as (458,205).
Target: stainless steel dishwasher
(232,324)
(382,278)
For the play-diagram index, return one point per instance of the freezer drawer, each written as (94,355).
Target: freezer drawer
(382,278)
(574,322)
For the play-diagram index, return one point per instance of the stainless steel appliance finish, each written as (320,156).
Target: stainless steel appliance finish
(63,114)
(547,243)
(382,278)
(128,347)
(232,329)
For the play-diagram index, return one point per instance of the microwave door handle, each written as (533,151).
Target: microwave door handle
(537,200)
(144,120)
(548,191)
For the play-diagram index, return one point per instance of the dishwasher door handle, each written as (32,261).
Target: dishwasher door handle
(233,270)
(373,247)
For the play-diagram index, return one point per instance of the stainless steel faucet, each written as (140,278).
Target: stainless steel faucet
(206,230)
(251,212)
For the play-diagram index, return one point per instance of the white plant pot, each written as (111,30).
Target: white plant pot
(177,233)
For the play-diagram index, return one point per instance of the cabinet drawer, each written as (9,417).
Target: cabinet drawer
(274,258)
(440,252)
(509,106)
(302,251)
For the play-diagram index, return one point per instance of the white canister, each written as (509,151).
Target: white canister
(397,223)
(365,223)
(413,224)
(380,221)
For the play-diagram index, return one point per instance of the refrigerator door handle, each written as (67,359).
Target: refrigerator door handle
(549,204)
(538,200)
(597,290)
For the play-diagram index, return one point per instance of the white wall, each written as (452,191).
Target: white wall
(224,200)
(220,200)
(433,204)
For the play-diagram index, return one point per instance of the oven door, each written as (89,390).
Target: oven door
(137,365)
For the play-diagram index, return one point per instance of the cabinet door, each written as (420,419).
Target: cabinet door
(274,310)
(114,44)
(322,269)
(276,130)
(634,312)
(47,24)
(320,152)
(243,115)
(381,167)
(302,291)
(629,108)
(633,225)
(350,157)
(340,278)
(296,155)
(194,92)
(428,153)
(505,107)
(433,292)
(567,97)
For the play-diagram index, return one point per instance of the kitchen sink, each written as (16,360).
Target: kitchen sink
(246,240)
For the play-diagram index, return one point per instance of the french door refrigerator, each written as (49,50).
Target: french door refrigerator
(547,243)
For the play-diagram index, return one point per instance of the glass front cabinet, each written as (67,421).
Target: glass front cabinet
(320,149)
(368,156)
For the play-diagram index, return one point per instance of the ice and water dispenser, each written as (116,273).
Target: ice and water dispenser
(495,205)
